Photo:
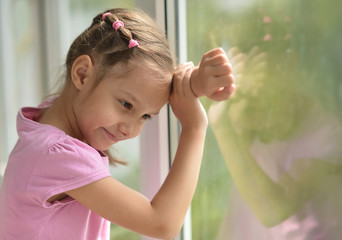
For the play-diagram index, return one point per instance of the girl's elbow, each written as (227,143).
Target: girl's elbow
(274,218)
(167,230)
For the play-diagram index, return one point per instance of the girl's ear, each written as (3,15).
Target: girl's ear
(81,71)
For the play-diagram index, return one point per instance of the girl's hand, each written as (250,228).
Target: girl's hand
(185,105)
(213,77)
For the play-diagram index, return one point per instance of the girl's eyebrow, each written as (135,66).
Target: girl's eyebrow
(130,95)
(136,100)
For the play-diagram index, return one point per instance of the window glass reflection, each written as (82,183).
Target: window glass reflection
(273,158)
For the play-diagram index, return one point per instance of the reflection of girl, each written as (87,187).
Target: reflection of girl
(283,153)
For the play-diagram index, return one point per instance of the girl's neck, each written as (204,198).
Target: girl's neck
(61,115)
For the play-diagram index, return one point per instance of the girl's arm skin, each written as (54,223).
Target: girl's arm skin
(271,201)
(213,77)
(164,215)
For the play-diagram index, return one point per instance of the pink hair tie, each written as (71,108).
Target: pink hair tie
(133,43)
(117,24)
(105,15)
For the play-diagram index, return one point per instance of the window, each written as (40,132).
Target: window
(273,161)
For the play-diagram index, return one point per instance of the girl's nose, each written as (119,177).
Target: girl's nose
(129,129)
(124,130)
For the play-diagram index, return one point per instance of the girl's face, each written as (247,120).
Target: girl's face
(117,108)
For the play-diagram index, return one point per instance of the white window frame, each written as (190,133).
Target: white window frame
(5,73)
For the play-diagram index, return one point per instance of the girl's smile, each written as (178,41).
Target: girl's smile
(111,136)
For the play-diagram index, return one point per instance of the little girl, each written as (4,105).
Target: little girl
(118,75)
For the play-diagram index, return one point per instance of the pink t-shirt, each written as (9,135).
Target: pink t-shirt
(45,162)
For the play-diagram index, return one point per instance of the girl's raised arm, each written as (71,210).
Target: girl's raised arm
(164,215)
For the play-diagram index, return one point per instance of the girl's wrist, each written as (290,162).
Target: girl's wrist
(197,127)
(194,82)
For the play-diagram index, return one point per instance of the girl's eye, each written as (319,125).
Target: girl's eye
(146,116)
(126,104)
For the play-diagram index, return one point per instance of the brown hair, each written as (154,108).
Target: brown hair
(108,47)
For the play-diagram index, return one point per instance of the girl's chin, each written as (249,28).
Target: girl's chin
(100,146)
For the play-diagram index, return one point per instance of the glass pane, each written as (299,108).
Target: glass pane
(273,156)
(81,13)
(21,69)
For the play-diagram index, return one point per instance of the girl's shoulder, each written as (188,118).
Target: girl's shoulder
(47,140)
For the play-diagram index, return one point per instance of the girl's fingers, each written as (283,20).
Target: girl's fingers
(178,77)
(225,81)
(220,70)
(220,82)
(223,94)
(213,53)
(186,82)
(217,60)
(177,81)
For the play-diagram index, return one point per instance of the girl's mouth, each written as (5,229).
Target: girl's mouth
(111,136)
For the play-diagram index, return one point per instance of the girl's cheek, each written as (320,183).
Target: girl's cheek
(138,130)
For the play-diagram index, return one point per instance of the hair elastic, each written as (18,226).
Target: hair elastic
(105,15)
(117,24)
(133,43)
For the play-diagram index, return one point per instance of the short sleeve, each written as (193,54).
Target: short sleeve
(323,142)
(66,165)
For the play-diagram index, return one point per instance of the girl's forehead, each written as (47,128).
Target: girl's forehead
(141,83)
(140,67)
(146,96)
(146,78)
